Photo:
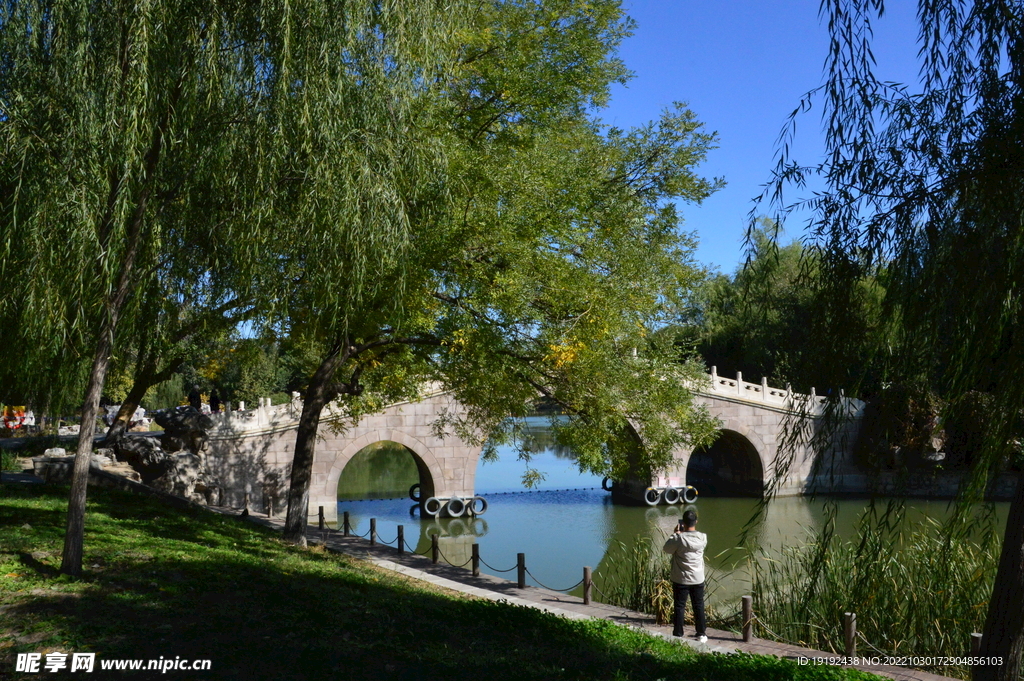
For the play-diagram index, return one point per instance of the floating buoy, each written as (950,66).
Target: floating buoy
(432,506)
(478,506)
(414,493)
(456,507)
(607,484)
(671,495)
(690,494)
(652,496)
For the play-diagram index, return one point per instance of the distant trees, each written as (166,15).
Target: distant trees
(769,319)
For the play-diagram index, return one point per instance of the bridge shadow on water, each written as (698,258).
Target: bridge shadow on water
(166,583)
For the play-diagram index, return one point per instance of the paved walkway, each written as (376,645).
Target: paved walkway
(497,589)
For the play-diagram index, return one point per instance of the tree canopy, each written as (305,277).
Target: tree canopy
(925,183)
(407,192)
(535,253)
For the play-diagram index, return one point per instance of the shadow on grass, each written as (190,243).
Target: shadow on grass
(166,583)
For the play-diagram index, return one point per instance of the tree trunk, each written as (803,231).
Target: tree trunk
(1004,627)
(128,406)
(316,398)
(145,378)
(71,563)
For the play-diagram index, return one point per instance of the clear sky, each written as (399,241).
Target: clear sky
(741,66)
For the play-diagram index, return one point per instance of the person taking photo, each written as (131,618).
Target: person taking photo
(686,545)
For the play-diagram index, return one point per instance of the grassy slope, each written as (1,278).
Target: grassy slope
(160,582)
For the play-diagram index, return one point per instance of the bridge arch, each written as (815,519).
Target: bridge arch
(733,465)
(430,470)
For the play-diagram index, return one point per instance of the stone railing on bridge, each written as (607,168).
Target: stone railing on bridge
(268,418)
(781,398)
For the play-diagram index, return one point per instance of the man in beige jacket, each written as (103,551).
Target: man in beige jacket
(687,548)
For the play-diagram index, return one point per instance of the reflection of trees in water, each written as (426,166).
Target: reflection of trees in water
(534,434)
(787,522)
(382,470)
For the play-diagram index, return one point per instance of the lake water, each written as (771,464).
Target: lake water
(569,522)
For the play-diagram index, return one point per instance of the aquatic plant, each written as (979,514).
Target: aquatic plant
(914,594)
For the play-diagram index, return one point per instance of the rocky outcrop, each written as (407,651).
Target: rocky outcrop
(175,462)
(184,428)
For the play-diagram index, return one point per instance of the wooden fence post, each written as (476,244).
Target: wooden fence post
(521,570)
(401,539)
(588,584)
(476,559)
(373,531)
(975,644)
(748,618)
(320,513)
(850,633)
(435,551)
(346,526)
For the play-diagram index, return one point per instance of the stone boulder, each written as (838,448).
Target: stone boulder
(184,428)
(146,456)
(180,478)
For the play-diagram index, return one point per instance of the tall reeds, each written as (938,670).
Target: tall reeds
(919,594)
(637,577)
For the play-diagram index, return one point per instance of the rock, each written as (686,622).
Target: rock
(184,428)
(55,451)
(173,443)
(145,455)
(100,461)
(181,476)
(174,462)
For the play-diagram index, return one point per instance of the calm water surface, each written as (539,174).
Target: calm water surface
(569,522)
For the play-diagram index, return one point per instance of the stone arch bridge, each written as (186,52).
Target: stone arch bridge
(250,451)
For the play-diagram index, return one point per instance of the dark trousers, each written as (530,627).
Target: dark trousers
(696,593)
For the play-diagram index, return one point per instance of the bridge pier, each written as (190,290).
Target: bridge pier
(252,451)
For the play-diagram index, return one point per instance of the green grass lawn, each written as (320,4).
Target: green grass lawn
(164,583)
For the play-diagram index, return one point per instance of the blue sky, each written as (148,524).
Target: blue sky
(741,66)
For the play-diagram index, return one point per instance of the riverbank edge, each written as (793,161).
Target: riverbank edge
(494,588)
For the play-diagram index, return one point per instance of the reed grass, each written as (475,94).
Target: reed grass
(637,576)
(917,594)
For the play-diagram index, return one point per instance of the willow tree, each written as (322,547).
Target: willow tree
(926,182)
(535,254)
(135,139)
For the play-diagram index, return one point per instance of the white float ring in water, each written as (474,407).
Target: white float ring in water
(456,507)
(433,512)
(474,504)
